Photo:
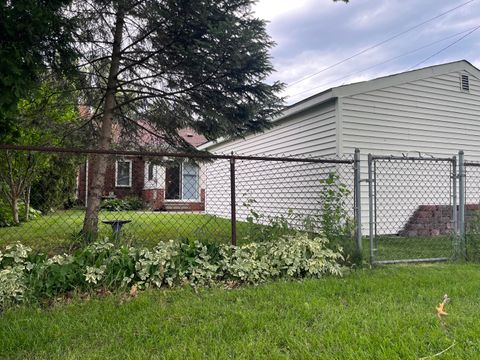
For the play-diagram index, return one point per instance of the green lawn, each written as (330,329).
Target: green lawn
(407,248)
(385,313)
(55,232)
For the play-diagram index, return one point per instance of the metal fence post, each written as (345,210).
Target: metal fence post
(358,200)
(233,201)
(461,208)
(454,223)
(370,205)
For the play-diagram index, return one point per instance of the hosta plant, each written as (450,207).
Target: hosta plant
(25,276)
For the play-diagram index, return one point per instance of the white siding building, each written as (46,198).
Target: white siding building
(434,110)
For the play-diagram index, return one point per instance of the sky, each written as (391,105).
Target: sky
(312,36)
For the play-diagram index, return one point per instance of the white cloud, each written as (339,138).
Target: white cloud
(271,9)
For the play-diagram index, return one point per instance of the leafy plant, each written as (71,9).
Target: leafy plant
(6,216)
(335,221)
(264,227)
(25,276)
(128,203)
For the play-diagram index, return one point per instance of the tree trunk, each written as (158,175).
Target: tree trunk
(14,204)
(27,202)
(99,162)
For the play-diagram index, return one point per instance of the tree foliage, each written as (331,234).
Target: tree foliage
(42,119)
(34,35)
(181,63)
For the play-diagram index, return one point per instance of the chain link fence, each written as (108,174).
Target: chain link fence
(472,210)
(150,197)
(412,212)
(419,208)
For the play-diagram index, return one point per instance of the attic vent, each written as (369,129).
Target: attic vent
(464,83)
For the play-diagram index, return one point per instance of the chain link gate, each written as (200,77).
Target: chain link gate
(410,209)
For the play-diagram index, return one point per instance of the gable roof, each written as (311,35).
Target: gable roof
(366,86)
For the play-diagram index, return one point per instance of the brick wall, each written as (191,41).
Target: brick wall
(135,189)
(154,198)
(435,220)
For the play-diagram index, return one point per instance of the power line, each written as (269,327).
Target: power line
(445,48)
(379,44)
(471,30)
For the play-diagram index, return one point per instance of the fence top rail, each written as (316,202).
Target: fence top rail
(193,155)
(472,163)
(411,158)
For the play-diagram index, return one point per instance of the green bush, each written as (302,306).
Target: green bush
(336,224)
(6,217)
(31,277)
(128,203)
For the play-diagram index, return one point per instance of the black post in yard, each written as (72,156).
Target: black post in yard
(233,201)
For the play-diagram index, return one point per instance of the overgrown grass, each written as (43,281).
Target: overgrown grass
(386,313)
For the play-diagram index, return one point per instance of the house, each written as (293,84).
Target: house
(434,110)
(163,184)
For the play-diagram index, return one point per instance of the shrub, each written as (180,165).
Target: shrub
(128,203)
(267,227)
(101,265)
(335,221)
(6,217)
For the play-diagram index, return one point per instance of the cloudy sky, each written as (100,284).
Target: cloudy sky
(312,36)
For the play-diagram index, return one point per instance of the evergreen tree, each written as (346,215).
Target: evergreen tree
(172,64)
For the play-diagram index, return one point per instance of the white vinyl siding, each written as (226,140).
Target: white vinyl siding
(431,116)
(312,132)
(272,188)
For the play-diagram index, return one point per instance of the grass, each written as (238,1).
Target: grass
(55,232)
(404,248)
(386,313)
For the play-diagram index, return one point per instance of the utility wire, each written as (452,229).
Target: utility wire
(445,48)
(379,44)
(471,30)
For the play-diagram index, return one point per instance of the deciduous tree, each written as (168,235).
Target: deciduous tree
(34,35)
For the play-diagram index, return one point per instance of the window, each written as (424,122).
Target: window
(190,182)
(182,182)
(123,173)
(151,172)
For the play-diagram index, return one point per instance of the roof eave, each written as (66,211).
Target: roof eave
(291,110)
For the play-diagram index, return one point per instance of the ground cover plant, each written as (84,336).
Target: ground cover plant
(27,277)
(385,313)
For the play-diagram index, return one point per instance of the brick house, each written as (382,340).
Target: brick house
(161,183)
